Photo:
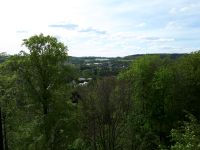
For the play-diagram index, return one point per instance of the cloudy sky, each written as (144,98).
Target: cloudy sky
(103,27)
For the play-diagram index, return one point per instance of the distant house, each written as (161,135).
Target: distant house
(97,63)
(83,84)
(83,81)
(101,59)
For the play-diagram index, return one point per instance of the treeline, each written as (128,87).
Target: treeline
(154,104)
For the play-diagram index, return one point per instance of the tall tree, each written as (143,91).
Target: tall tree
(42,71)
(7,97)
(104,108)
(147,110)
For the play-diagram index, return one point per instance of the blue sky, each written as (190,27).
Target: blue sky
(103,27)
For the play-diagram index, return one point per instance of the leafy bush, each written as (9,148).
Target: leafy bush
(187,137)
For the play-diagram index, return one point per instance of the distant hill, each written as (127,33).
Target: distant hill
(80,60)
(91,59)
(107,66)
(102,66)
(173,56)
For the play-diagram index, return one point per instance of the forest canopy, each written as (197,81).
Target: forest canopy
(151,104)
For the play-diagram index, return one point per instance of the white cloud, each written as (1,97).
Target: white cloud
(173,25)
(107,27)
(68,26)
(187,9)
(140,25)
(90,29)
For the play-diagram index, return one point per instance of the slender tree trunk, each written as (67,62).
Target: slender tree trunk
(5,133)
(45,112)
(1,132)
(94,134)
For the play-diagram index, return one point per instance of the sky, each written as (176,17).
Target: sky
(103,27)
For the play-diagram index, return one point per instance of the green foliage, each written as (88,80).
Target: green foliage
(162,89)
(45,78)
(147,115)
(78,144)
(138,110)
(36,100)
(187,137)
(104,107)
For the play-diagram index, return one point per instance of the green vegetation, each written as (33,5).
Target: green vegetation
(143,102)
(187,136)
